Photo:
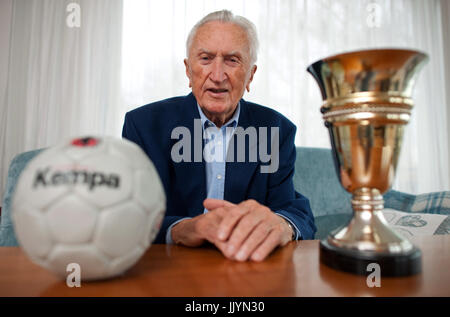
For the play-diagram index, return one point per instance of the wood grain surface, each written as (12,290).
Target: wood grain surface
(176,271)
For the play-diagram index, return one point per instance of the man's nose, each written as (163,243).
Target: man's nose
(218,71)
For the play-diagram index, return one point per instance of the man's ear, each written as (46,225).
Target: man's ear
(188,71)
(252,73)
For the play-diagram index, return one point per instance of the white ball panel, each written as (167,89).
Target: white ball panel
(148,189)
(154,223)
(31,231)
(132,153)
(92,263)
(121,264)
(120,229)
(123,151)
(71,220)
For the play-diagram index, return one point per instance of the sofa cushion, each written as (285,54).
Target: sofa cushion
(315,177)
(328,223)
(7,236)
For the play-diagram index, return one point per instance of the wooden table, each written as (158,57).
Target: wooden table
(175,271)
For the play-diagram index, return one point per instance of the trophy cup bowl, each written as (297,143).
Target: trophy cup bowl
(367,104)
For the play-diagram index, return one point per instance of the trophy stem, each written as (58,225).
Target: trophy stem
(367,199)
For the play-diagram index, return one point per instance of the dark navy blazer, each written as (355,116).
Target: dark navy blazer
(151,127)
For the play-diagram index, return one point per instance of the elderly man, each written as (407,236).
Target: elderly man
(222,195)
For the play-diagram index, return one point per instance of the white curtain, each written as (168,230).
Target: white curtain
(292,35)
(62,81)
(65,81)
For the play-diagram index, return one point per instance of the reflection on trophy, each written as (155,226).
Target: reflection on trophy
(367,104)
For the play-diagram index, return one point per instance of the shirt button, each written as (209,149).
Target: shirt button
(219,176)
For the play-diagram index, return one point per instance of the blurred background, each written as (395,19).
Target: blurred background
(70,68)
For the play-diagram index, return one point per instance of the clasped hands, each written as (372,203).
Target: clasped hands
(244,231)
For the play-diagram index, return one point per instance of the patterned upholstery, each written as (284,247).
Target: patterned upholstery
(431,203)
(7,236)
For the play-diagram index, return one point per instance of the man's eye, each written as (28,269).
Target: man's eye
(204,58)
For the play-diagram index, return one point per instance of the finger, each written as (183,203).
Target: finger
(211,203)
(210,236)
(233,226)
(230,220)
(207,228)
(207,225)
(242,231)
(222,247)
(272,241)
(210,233)
(256,237)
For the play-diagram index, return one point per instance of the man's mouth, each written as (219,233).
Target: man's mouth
(218,91)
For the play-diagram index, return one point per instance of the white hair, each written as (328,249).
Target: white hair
(226,16)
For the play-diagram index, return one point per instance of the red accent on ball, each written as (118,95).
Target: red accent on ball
(85,142)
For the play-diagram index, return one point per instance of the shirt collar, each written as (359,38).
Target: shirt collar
(206,123)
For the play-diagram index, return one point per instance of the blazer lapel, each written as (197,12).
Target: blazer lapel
(191,174)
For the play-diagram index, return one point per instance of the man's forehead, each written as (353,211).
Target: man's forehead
(201,50)
(228,38)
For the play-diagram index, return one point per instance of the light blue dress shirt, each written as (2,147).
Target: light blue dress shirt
(214,153)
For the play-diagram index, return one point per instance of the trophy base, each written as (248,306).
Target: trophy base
(356,262)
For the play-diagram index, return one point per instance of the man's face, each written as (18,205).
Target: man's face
(219,68)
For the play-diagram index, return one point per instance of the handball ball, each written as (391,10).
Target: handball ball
(95,201)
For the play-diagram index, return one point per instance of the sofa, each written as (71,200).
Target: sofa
(314,177)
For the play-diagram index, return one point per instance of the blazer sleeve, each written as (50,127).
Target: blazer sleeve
(131,133)
(282,197)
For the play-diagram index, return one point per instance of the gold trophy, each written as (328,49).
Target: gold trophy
(367,104)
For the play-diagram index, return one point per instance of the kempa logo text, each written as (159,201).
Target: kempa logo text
(47,177)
